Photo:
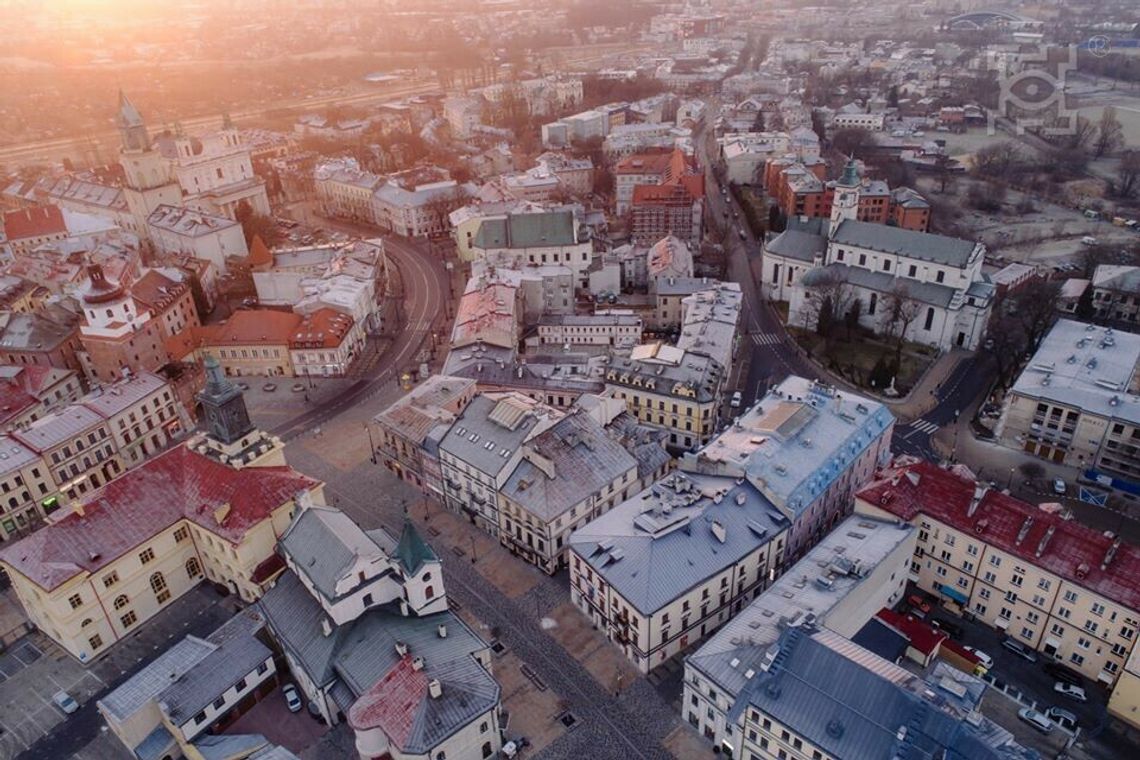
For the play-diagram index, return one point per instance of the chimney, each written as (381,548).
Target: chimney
(401,649)
(417,663)
(435,689)
(442,631)
(326,627)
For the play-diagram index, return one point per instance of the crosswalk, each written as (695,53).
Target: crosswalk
(767,339)
(924,426)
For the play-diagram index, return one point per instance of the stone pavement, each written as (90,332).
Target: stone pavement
(921,398)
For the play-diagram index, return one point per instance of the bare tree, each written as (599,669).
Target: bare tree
(440,206)
(1109,133)
(1008,340)
(826,301)
(1128,174)
(900,311)
(1036,309)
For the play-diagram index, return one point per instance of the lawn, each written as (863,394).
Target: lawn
(852,358)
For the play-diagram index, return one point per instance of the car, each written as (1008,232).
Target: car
(1062,717)
(1019,649)
(1088,240)
(985,659)
(1038,720)
(243,386)
(291,699)
(951,629)
(737,399)
(298,387)
(742,235)
(63,701)
(1061,673)
(1070,691)
(1059,486)
(269,387)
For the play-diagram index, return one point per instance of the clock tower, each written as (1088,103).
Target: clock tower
(150,180)
(231,437)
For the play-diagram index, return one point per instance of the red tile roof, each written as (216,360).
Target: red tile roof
(393,703)
(923,637)
(649,162)
(133,508)
(257,326)
(39,221)
(14,401)
(155,291)
(324,328)
(259,257)
(1063,547)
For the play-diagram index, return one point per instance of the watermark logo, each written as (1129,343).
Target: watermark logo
(1098,45)
(1032,94)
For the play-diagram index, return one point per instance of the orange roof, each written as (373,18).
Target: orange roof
(38,221)
(324,328)
(649,162)
(260,326)
(156,291)
(259,255)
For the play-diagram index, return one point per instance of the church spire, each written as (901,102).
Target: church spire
(227,418)
(132,128)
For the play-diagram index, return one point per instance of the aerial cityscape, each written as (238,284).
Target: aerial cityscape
(562,379)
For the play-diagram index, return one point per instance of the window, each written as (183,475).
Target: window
(121,601)
(262,668)
(181,534)
(1070,596)
(220,702)
(158,586)
(1098,609)
(487,749)
(995,560)
(95,642)
(929,317)
(129,619)
(429,592)
(146,555)
(940,276)
(76,601)
(200,718)
(193,567)
(240,685)
(1044,584)
(110,579)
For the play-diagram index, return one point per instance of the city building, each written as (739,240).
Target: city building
(29,493)
(325,344)
(215,171)
(251,342)
(650,168)
(123,551)
(30,228)
(663,569)
(808,447)
(567,475)
(362,621)
(40,339)
(179,702)
(1076,403)
(615,330)
(943,299)
(709,323)
(168,297)
(462,114)
(669,388)
(519,240)
(483,447)
(30,392)
(179,231)
(344,190)
(1116,294)
(1051,584)
(416,203)
(407,426)
(858,568)
(149,176)
(116,335)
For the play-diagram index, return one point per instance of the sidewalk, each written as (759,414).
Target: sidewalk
(922,398)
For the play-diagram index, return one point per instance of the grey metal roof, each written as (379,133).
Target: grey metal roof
(116,398)
(682,286)
(155,745)
(324,544)
(883,639)
(797,244)
(532,230)
(58,427)
(584,459)
(856,708)
(477,439)
(294,618)
(697,372)
(662,541)
(140,689)
(1125,279)
(923,246)
(237,652)
(227,746)
(883,282)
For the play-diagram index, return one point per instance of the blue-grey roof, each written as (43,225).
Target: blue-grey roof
(584,460)
(156,744)
(237,652)
(506,422)
(694,377)
(923,246)
(883,282)
(361,653)
(531,230)
(227,746)
(324,544)
(856,709)
(795,442)
(140,689)
(796,244)
(883,639)
(654,546)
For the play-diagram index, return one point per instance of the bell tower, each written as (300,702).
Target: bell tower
(149,176)
(231,437)
(845,203)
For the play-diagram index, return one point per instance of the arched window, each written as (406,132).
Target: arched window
(429,592)
(193,568)
(427,577)
(121,601)
(487,749)
(157,583)
(86,622)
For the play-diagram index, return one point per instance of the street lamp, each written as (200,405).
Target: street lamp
(1009,485)
(371,445)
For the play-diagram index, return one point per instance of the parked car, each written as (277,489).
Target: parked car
(985,659)
(955,631)
(1062,718)
(1088,240)
(1059,486)
(1036,719)
(1070,691)
(737,399)
(63,701)
(1061,673)
(291,698)
(1020,650)
(269,387)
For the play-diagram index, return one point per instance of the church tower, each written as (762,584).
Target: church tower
(845,204)
(149,175)
(231,437)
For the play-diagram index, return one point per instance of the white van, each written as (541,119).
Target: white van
(1088,240)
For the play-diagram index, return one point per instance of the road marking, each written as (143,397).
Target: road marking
(767,339)
(924,426)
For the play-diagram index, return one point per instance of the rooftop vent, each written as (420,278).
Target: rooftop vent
(435,689)
(401,649)
(417,663)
